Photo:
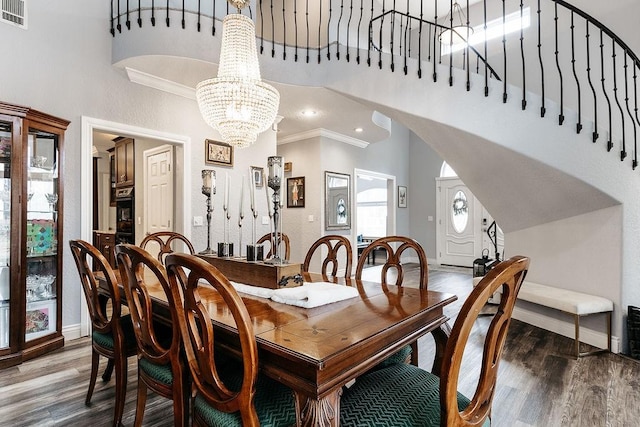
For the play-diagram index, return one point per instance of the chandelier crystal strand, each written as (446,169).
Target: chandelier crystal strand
(237,103)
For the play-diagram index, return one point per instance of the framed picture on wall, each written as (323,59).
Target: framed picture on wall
(295,192)
(218,153)
(402,196)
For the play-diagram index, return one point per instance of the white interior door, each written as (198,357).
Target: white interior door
(458,212)
(159,190)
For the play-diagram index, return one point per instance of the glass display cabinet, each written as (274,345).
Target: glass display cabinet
(30,233)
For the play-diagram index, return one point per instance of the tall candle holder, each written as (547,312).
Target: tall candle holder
(225,249)
(274,182)
(240,219)
(208,188)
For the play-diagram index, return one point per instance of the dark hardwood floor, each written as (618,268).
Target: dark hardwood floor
(539,384)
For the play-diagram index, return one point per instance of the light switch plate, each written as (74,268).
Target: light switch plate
(265,220)
(197,220)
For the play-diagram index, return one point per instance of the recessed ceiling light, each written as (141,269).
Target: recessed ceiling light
(359,130)
(308,113)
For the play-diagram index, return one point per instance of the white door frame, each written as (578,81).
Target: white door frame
(89,125)
(391,207)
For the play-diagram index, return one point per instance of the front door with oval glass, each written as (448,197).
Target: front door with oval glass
(458,224)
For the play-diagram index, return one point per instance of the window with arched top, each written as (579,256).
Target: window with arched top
(447,171)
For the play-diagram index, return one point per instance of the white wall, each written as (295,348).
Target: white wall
(62,65)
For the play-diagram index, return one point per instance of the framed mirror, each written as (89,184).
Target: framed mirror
(337,202)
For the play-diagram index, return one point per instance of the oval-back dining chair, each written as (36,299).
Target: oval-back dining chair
(283,239)
(412,396)
(233,394)
(395,247)
(167,242)
(112,335)
(160,365)
(332,244)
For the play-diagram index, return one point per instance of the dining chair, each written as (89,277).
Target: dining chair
(166,242)
(395,247)
(112,334)
(160,363)
(230,393)
(332,243)
(412,396)
(273,244)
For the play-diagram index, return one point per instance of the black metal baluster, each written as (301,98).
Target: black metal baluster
(153,13)
(319,30)
(594,135)
(328,32)
(633,124)
(213,19)
(451,43)
(407,41)
(504,52)
(524,75)
(183,21)
(467,50)
(543,109)
(168,22)
(199,15)
(348,28)
(358,38)
(380,36)
(486,76)
(273,32)
(635,95)
(308,34)
(128,21)
(575,75)
(295,24)
(606,96)
(261,9)
(113,30)
(561,115)
(119,26)
(435,19)
(338,31)
(370,29)
(623,152)
(391,35)
(420,39)
(139,14)
(284,34)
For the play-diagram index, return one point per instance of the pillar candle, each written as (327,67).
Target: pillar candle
(242,198)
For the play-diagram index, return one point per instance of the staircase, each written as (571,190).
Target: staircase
(547,140)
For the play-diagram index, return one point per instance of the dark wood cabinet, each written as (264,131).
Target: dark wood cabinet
(31,218)
(125,162)
(105,242)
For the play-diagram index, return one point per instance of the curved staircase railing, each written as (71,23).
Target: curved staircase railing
(545,47)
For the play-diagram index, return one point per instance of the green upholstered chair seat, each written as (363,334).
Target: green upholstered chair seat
(106,340)
(400,356)
(400,395)
(161,373)
(274,402)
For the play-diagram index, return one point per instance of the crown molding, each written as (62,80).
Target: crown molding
(320,132)
(159,83)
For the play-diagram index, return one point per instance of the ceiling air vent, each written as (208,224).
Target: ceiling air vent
(14,12)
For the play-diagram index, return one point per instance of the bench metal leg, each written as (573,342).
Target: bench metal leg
(577,352)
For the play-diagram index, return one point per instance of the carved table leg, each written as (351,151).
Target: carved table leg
(440,336)
(323,412)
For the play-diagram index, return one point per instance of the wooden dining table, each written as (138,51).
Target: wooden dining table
(318,351)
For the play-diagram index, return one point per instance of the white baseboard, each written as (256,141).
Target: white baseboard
(71,332)
(567,329)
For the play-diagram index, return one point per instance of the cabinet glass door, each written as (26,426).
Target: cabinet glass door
(42,236)
(5,230)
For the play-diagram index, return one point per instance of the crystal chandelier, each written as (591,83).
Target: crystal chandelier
(237,103)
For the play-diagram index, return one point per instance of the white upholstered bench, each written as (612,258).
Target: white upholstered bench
(575,303)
